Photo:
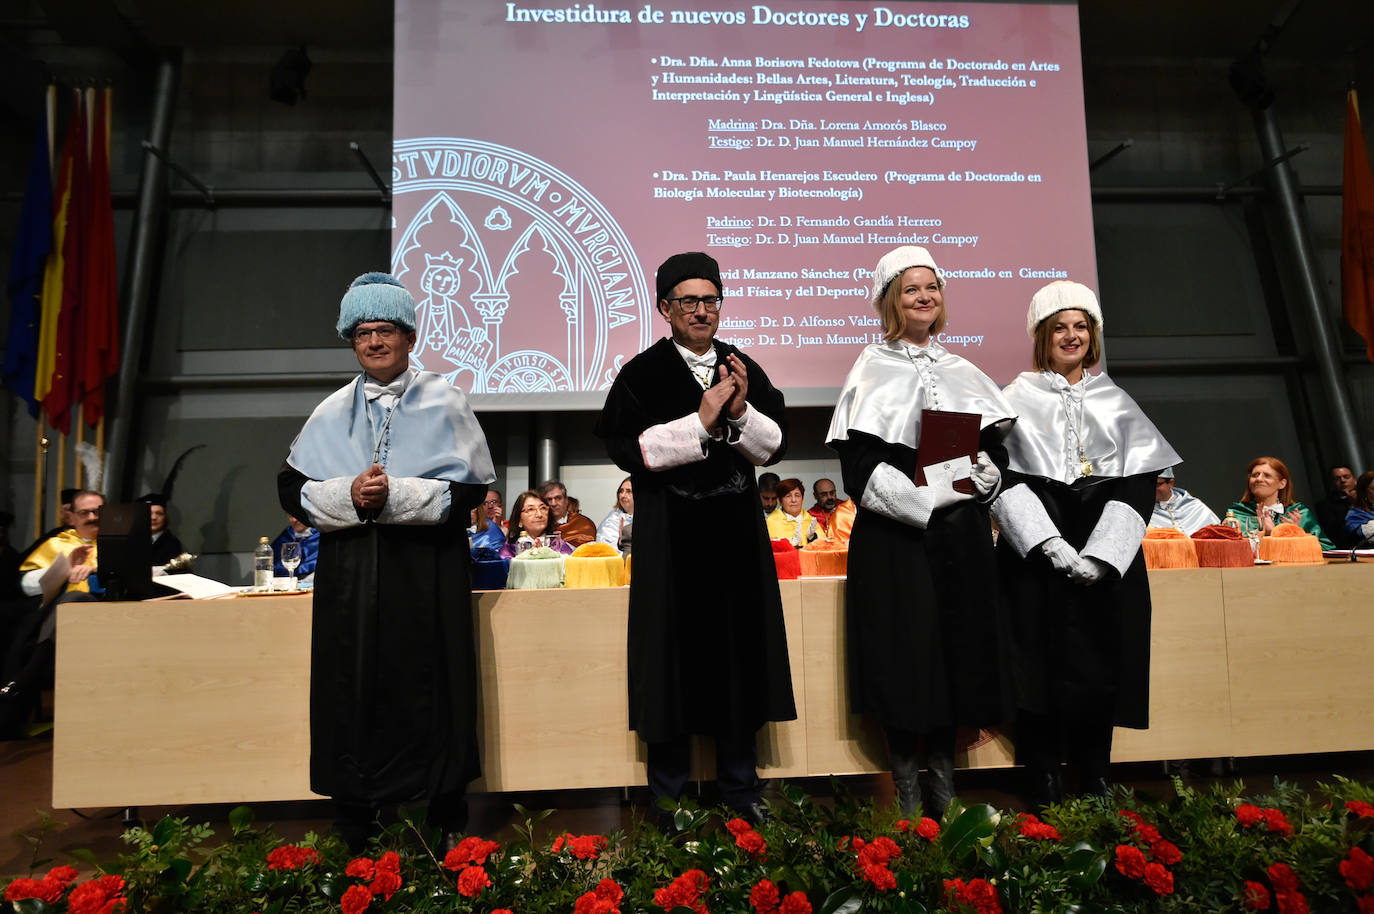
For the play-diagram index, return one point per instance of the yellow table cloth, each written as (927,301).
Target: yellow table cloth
(594,565)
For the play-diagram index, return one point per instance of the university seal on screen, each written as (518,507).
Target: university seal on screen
(524,282)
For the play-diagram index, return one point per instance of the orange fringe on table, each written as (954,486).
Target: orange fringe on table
(785,557)
(824,558)
(1168,547)
(1219,546)
(1291,545)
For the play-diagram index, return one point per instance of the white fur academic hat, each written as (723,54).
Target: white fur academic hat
(896,262)
(1062,295)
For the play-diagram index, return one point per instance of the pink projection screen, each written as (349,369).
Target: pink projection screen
(547,158)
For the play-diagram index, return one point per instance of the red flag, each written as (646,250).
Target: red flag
(67,356)
(101,323)
(1357,229)
(50,304)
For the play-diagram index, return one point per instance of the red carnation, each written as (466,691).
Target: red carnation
(764,897)
(1130,814)
(1360,808)
(795,903)
(1159,879)
(1358,869)
(928,828)
(1291,902)
(1365,904)
(1256,896)
(1282,877)
(24,887)
(604,899)
(469,850)
(385,884)
(843,843)
(355,900)
(360,868)
(880,851)
(1147,833)
(291,857)
(979,894)
(502,911)
(1032,827)
(684,891)
(1249,815)
(98,896)
(738,827)
(1276,821)
(880,876)
(390,862)
(61,874)
(472,880)
(1166,852)
(1130,861)
(752,842)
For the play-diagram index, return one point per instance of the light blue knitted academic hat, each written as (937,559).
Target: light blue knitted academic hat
(375,297)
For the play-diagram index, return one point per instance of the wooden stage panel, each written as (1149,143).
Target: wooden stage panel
(182,702)
(1300,644)
(1190,702)
(207,702)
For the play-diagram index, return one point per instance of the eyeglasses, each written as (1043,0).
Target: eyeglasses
(491,503)
(540,508)
(89,512)
(688,303)
(385,333)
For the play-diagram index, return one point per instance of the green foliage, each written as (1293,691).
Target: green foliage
(824,850)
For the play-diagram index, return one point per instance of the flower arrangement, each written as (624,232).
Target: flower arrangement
(1198,851)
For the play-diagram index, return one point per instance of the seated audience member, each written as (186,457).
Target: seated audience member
(788,521)
(297,531)
(768,493)
(841,522)
(490,530)
(165,544)
(1269,500)
(575,528)
(615,527)
(531,518)
(1174,507)
(1359,520)
(1331,510)
(77,543)
(826,500)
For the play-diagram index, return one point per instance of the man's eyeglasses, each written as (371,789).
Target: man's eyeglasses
(493,503)
(88,512)
(386,333)
(688,303)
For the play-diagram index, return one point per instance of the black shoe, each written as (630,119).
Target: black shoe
(755,813)
(937,783)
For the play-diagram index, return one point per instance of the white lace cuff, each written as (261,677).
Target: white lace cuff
(329,502)
(1022,519)
(892,493)
(755,435)
(673,444)
(414,500)
(1116,538)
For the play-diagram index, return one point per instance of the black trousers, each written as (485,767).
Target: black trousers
(670,762)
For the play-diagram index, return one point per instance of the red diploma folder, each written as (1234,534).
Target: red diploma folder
(945,436)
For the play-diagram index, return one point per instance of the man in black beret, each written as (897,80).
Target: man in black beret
(689,419)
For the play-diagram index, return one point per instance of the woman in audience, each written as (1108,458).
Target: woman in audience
(1080,488)
(790,520)
(615,528)
(489,531)
(1359,520)
(530,519)
(921,598)
(1268,500)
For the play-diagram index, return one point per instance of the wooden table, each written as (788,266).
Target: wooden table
(207,701)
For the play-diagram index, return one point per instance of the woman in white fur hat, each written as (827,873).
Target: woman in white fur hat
(921,597)
(1079,491)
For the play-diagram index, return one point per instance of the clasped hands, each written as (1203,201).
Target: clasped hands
(1065,559)
(726,398)
(370,487)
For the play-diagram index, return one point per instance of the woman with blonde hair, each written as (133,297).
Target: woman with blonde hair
(1080,488)
(921,595)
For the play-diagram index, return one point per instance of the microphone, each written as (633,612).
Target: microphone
(1365,541)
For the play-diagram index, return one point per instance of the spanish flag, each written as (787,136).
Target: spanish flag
(1357,229)
(55,268)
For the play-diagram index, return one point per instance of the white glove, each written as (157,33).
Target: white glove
(985,475)
(1368,529)
(1088,570)
(1061,555)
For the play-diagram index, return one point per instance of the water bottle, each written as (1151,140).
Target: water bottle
(1231,521)
(262,566)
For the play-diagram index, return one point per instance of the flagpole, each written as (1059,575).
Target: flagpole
(76,449)
(40,478)
(61,472)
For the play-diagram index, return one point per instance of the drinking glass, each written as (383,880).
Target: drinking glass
(291,559)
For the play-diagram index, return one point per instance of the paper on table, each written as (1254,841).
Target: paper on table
(196,587)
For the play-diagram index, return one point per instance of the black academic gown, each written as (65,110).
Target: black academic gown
(1081,652)
(707,646)
(165,548)
(922,605)
(393,709)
